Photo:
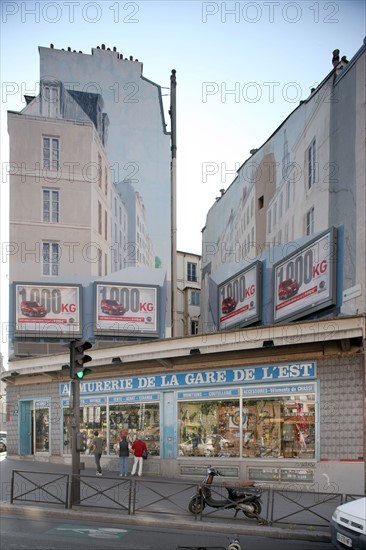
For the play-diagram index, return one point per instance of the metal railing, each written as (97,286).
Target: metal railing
(133,496)
(32,487)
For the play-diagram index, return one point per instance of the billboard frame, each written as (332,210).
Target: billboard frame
(98,331)
(330,299)
(257,265)
(71,334)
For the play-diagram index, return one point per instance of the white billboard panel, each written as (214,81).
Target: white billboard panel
(304,281)
(240,298)
(47,309)
(125,309)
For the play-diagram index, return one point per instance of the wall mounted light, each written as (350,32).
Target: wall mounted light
(195,351)
(116,360)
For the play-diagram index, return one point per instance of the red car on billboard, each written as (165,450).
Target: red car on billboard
(31,308)
(288,287)
(228,305)
(112,307)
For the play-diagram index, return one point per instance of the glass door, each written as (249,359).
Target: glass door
(41,428)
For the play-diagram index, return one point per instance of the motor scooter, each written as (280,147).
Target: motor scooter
(242,498)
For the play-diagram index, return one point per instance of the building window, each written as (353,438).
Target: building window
(105,225)
(106,182)
(310,221)
(50,101)
(51,205)
(260,202)
(195,298)
(100,171)
(100,258)
(311,165)
(99,218)
(280,206)
(51,147)
(191,271)
(51,258)
(269,221)
(194,327)
(288,195)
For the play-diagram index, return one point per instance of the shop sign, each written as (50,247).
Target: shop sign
(240,298)
(304,476)
(126,309)
(87,401)
(42,404)
(276,372)
(215,393)
(304,281)
(279,390)
(47,309)
(264,474)
(134,398)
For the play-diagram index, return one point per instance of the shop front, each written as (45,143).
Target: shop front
(297,419)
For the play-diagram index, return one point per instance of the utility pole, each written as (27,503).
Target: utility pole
(173,192)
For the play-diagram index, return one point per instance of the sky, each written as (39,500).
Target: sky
(241,69)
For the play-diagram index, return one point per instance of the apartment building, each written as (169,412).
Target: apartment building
(308,176)
(188,293)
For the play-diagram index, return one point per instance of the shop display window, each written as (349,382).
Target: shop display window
(209,428)
(91,419)
(279,427)
(141,419)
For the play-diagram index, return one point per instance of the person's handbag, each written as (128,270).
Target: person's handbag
(145,454)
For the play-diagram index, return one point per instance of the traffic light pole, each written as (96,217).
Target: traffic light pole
(75,394)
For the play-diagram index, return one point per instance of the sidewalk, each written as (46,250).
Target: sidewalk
(235,526)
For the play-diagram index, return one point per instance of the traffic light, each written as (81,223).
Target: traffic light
(81,442)
(78,358)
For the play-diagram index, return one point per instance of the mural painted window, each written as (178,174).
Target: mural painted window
(91,419)
(51,147)
(100,170)
(209,428)
(51,205)
(195,298)
(99,218)
(311,165)
(50,101)
(310,221)
(191,271)
(141,419)
(50,259)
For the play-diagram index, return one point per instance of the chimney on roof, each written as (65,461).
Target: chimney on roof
(51,45)
(103,46)
(335,59)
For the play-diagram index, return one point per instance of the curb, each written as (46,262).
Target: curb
(170,522)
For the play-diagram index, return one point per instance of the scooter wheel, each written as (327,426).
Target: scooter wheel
(196,505)
(257,508)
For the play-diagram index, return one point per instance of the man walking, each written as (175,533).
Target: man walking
(98,446)
(138,447)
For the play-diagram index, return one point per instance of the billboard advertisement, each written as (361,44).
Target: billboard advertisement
(125,309)
(47,309)
(240,298)
(305,281)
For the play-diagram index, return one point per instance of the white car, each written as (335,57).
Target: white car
(348,525)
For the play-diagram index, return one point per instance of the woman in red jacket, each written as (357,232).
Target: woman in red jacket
(138,447)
